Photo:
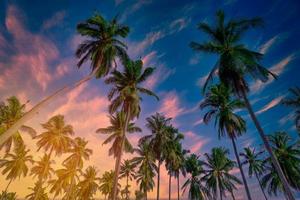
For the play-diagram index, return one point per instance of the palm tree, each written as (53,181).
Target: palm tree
(10,113)
(38,193)
(222,107)
(193,166)
(16,164)
(255,164)
(145,162)
(294,102)
(106,184)
(234,64)
(56,136)
(103,45)
(217,175)
(8,196)
(288,155)
(88,187)
(127,170)
(158,125)
(125,96)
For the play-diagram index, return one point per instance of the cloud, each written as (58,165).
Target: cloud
(198,122)
(171,105)
(195,59)
(133,8)
(287,118)
(179,24)
(264,48)
(194,142)
(201,80)
(270,105)
(55,20)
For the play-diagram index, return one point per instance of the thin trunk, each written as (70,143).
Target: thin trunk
(170,180)
(146,196)
(221,196)
(260,185)
(118,160)
(241,168)
(8,185)
(232,195)
(158,179)
(268,148)
(178,190)
(127,197)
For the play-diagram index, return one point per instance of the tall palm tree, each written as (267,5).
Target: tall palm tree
(127,171)
(56,136)
(106,184)
(158,124)
(103,45)
(10,113)
(235,62)
(288,155)
(145,162)
(217,173)
(197,191)
(88,186)
(38,193)
(125,95)
(255,164)
(16,164)
(294,102)
(222,108)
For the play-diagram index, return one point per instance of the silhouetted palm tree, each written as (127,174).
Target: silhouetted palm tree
(222,108)
(235,62)
(88,186)
(294,102)
(255,164)
(38,192)
(127,171)
(106,184)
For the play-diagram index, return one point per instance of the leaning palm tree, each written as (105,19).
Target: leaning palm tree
(235,62)
(56,137)
(294,102)
(255,164)
(88,186)
(222,108)
(127,171)
(288,155)
(10,113)
(16,164)
(106,184)
(125,95)
(146,167)
(158,124)
(38,193)
(217,173)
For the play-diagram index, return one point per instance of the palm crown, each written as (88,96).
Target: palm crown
(42,168)
(89,185)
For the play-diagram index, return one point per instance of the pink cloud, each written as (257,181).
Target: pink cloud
(198,122)
(194,142)
(179,24)
(147,59)
(264,48)
(55,20)
(171,105)
(270,105)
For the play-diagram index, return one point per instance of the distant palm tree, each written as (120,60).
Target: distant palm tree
(88,186)
(56,137)
(16,164)
(106,184)
(294,102)
(158,125)
(217,172)
(235,62)
(8,196)
(222,108)
(38,193)
(197,191)
(10,113)
(127,171)
(125,95)
(288,155)
(255,164)
(103,45)
(145,162)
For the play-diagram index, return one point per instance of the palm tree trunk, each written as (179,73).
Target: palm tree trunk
(221,196)
(178,190)
(146,196)
(8,185)
(170,180)
(260,185)
(158,179)
(268,148)
(232,195)
(127,195)
(241,168)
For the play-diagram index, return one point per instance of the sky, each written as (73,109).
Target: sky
(38,40)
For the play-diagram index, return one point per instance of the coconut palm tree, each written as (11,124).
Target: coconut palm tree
(235,62)
(10,113)
(88,186)
(125,95)
(16,164)
(288,155)
(38,193)
(8,196)
(103,45)
(222,108)
(294,102)
(158,124)
(56,136)
(127,171)
(106,184)
(146,167)
(217,173)
(255,164)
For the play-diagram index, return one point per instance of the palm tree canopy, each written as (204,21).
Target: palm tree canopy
(42,168)
(294,102)
(235,60)
(127,87)
(115,132)
(219,103)
(56,136)
(253,160)
(102,45)
(127,169)
(88,186)
(106,183)
(38,192)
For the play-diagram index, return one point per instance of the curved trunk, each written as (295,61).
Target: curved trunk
(158,179)
(8,185)
(260,185)
(178,190)
(241,169)
(170,180)
(274,160)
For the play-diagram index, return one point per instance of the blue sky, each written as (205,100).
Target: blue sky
(38,40)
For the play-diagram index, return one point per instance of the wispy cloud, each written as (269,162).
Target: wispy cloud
(55,20)
(271,104)
(264,48)
(196,142)
(198,122)
(171,105)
